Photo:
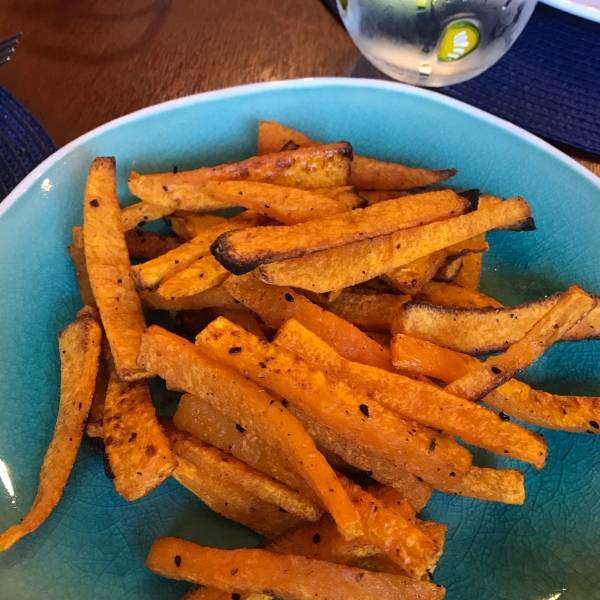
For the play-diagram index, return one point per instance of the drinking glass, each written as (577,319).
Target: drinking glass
(434,42)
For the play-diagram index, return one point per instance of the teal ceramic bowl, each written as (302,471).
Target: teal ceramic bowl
(94,543)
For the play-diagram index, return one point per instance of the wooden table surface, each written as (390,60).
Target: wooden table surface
(82,63)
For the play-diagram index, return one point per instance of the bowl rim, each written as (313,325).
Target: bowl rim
(292,84)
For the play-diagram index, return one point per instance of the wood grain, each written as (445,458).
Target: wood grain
(82,63)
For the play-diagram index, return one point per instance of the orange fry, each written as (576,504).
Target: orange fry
(369,312)
(216,297)
(393,533)
(242,251)
(254,571)
(188,225)
(485,330)
(206,423)
(426,403)
(448,294)
(185,367)
(137,449)
(414,489)
(107,261)
(513,398)
(325,399)
(328,165)
(151,274)
(228,468)
(366,173)
(201,275)
(366,259)
(141,213)
(275,305)
(79,345)
(284,204)
(572,306)
(233,501)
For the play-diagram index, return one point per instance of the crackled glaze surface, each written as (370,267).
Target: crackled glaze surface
(94,543)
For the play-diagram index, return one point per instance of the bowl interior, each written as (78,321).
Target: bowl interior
(95,541)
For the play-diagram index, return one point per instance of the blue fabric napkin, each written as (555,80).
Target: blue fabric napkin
(24,143)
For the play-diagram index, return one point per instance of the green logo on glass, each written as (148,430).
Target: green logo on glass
(460,39)
(344,4)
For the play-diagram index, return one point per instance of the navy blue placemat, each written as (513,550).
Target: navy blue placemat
(547,83)
(24,143)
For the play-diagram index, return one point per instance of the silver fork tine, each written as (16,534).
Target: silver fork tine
(7,47)
(13,40)
(5,56)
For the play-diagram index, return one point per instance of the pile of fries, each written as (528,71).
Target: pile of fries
(325,343)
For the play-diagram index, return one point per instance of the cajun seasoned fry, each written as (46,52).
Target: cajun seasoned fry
(205,422)
(449,270)
(188,225)
(484,484)
(240,316)
(330,545)
(107,262)
(252,571)
(491,485)
(322,541)
(138,451)
(141,213)
(392,533)
(430,359)
(325,166)
(364,260)
(151,274)
(214,297)
(373,312)
(470,274)
(366,173)
(79,344)
(227,467)
(414,489)
(233,501)
(476,245)
(427,404)
(201,275)
(243,251)
(410,278)
(337,406)
(147,244)
(570,308)
(276,304)
(513,398)
(77,254)
(96,416)
(527,224)
(485,330)
(567,413)
(185,367)
(447,294)
(284,204)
